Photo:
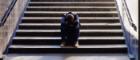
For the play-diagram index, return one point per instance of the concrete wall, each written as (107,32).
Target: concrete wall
(130,34)
(133,8)
(6,31)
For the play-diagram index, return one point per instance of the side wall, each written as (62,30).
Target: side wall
(6,31)
(130,34)
(133,9)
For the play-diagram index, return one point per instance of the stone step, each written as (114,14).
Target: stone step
(82,19)
(57,32)
(82,30)
(70,8)
(72,0)
(57,26)
(57,40)
(43,49)
(71,3)
(80,13)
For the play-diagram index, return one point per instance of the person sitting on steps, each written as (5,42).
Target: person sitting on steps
(70,27)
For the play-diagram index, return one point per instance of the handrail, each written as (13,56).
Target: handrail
(128,15)
(7,12)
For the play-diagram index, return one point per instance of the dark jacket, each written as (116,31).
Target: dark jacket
(68,32)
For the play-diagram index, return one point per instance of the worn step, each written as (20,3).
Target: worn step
(71,3)
(70,8)
(57,40)
(86,32)
(43,49)
(82,19)
(82,30)
(57,26)
(80,13)
(72,0)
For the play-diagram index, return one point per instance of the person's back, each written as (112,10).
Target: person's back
(70,29)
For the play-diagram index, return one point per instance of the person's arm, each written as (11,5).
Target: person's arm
(63,28)
(77,26)
(78,22)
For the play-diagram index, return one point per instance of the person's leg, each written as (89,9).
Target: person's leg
(63,42)
(75,42)
(72,40)
(68,41)
(63,31)
(63,37)
(76,36)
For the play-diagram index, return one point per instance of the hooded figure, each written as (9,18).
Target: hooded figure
(70,26)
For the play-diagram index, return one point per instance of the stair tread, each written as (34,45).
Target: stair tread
(70,7)
(35,18)
(58,24)
(81,30)
(80,38)
(72,2)
(81,46)
(78,12)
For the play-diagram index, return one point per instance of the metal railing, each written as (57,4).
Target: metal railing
(126,10)
(7,12)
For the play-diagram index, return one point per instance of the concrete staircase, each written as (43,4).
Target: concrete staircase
(39,30)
